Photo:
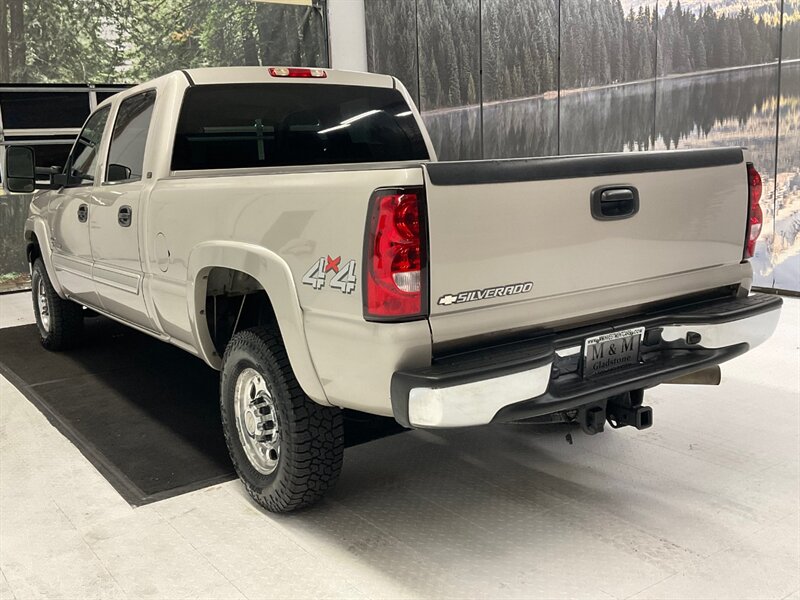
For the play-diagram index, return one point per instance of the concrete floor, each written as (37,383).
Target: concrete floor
(706,504)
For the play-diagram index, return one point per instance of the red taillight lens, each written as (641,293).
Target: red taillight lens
(395,256)
(297,72)
(755,217)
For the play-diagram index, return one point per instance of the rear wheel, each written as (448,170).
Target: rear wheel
(286,448)
(60,321)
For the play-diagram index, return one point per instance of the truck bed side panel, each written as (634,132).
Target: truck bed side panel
(303,218)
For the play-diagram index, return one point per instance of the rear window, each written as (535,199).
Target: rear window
(273,125)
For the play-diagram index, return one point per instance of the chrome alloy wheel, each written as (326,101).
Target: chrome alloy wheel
(257,421)
(43,305)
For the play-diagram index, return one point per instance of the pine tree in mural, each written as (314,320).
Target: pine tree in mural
(391,40)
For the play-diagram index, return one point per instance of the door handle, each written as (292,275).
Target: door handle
(124,216)
(83,213)
(609,203)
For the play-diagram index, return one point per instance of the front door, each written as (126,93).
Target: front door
(70,213)
(116,216)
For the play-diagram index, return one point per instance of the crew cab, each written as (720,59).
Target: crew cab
(292,228)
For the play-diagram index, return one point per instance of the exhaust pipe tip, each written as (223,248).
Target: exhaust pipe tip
(707,376)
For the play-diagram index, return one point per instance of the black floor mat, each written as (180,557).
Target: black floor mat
(143,412)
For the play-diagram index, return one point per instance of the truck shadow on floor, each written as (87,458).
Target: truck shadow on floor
(145,413)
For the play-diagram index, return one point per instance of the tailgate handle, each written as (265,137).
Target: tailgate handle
(614,202)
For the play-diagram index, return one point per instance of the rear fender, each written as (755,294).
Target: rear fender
(274,275)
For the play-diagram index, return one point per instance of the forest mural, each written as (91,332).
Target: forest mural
(505,78)
(606,44)
(121,41)
(689,42)
(493,78)
(128,41)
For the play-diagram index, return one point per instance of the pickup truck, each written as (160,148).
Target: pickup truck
(293,229)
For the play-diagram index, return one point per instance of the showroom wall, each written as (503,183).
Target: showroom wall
(633,75)
(45,45)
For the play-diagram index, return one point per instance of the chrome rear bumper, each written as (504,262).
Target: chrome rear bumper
(542,375)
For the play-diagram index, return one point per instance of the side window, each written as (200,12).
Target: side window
(126,154)
(83,158)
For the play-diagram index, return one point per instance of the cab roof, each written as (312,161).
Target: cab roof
(228,75)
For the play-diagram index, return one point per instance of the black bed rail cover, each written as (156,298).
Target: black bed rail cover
(476,172)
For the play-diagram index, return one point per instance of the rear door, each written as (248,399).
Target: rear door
(539,241)
(115,212)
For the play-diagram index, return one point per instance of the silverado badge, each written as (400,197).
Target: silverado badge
(486,293)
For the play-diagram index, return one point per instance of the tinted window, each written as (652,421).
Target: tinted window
(267,125)
(44,110)
(83,157)
(126,154)
(52,155)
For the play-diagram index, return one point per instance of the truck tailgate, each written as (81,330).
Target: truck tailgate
(533,241)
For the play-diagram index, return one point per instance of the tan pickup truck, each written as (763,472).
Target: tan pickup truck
(292,228)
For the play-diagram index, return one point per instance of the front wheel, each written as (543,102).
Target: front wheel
(60,321)
(286,448)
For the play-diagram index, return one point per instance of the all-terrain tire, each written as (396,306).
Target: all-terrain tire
(311,436)
(61,326)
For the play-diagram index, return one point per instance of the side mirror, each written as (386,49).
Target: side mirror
(45,174)
(20,169)
(58,179)
(118,172)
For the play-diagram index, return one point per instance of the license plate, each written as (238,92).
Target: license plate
(611,351)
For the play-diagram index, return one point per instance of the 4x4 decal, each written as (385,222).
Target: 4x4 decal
(344,278)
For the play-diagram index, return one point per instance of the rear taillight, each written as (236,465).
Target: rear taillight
(395,256)
(755,217)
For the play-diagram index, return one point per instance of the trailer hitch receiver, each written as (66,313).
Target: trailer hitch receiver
(626,409)
(592,418)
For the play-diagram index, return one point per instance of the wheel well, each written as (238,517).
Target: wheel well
(33,250)
(234,301)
